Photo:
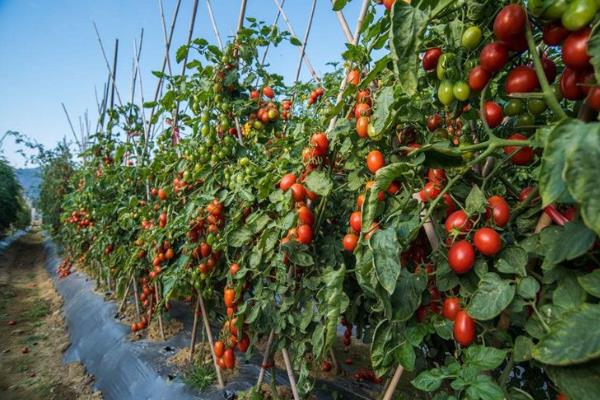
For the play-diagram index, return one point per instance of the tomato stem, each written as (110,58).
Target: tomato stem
(539,71)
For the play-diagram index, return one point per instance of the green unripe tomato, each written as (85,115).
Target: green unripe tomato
(204,117)
(579,14)
(525,121)
(373,135)
(186,175)
(445,92)
(471,37)
(536,106)
(244,161)
(257,125)
(557,92)
(514,107)
(197,168)
(555,10)
(443,63)
(461,91)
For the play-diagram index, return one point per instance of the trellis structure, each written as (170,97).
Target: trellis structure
(150,128)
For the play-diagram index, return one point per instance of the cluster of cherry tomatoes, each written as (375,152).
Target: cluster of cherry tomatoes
(64,269)
(224,348)
(315,95)
(81,218)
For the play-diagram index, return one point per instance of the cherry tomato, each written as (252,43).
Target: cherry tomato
(525,193)
(229,297)
(498,210)
(514,107)
(375,161)
(525,121)
(445,92)
(517,44)
(305,234)
(510,22)
(436,175)
(578,14)
(554,33)
(461,91)
(524,155)
(298,192)
(451,308)
(243,344)
(430,58)
(389,4)
(575,49)
(492,114)
(536,106)
(305,216)
(394,188)
(569,85)
(268,92)
(362,109)
(549,69)
(478,78)
(555,9)
(429,192)
(561,396)
(229,358)
(487,241)
(350,241)
(434,122)
(458,221)
(593,98)
(521,79)
(287,181)
(219,348)
(493,57)
(471,37)
(356,221)
(461,257)
(362,127)
(320,143)
(353,77)
(464,328)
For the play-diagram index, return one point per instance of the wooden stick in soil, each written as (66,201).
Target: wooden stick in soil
(210,342)
(114,75)
(136,297)
(125,296)
(344,25)
(211,16)
(334,361)
(261,374)
(110,72)
(393,383)
(290,372)
(160,321)
(194,329)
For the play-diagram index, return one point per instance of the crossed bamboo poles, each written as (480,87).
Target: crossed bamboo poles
(147,126)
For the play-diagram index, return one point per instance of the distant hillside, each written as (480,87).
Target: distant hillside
(30,180)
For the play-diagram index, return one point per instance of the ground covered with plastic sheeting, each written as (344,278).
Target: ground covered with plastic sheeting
(126,368)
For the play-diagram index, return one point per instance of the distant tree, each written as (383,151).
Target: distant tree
(11,200)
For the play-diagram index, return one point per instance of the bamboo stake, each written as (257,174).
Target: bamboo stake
(125,295)
(261,374)
(305,40)
(240,22)
(356,37)
(289,25)
(344,25)
(290,372)
(114,75)
(214,24)
(194,329)
(240,25)
(106,60)
(393,383)
(160,322)
(70,123)
(210,341)
(136,297)
(273,26)
(334,361)
(166,37)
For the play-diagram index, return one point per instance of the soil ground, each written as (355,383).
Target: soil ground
(33,330)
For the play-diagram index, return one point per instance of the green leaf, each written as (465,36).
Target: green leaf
(318,339)
(239,237)
(446,279)
(319,182)
(386,258)
(559,142)
(522,349)
(383,114)
(440,156)
(512,260)
(405,356)
(407,296)
(484,358)
(430,380)
(443,328)
(573,338)
(528,287)
(406,35)
(594,50)
(381,358)
(492,296)
(475,202)
(181,53)
(579,381)
(339,4)
(568,293)
(582,175)
(295,41)
(485,388)
(563,243)
(591,283)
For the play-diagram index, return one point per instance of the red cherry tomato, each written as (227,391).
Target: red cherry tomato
(554,33)
(464,328)
(525,193)
(461,257)
(429,192)
(523,155)
(430,58)
(575,49)
(350,241)
(451,308)
(478,78)
(321,144)
(267,91)
(510,22)
(229,359)
(498,210)
(549,69)
(356,221)
(375,161)
(487,241)
(434,122)
(569,85)
(436,175)
(492,114)
(305,215)
(493,56)
(298,192)
(287,181)
(219,348)
(521,79)
(458,221)
(305,234)
(593,98)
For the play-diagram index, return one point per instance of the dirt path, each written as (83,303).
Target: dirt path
(32,330)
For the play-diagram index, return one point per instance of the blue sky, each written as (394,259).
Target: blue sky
(49,52)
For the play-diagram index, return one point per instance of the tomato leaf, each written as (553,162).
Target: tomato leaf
(582,175)
(381,358)
(430,380)
(239,237)
(446,279)
(522,349)
(563,243)
(383,114)
(512,260)
(407,296)
(485,388)
(578,381)
(475,202)
(572,338)
(386,258)
(568,293)
(406,35)
(591,283)
(594,50)
(528,287)
(319,182)
(484,358)
(492,296)
(339,4)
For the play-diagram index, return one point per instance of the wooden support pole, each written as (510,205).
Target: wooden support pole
(210,342)
(194,329)
(305,40)
(136,297)
(261,374)
(211,16)
(110,71)
(393,383)
(114,75)
(166,36)
(160,321)
(334,361)
(125,296)
(273,26)
(290,372)
(344,25)
(241,17)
